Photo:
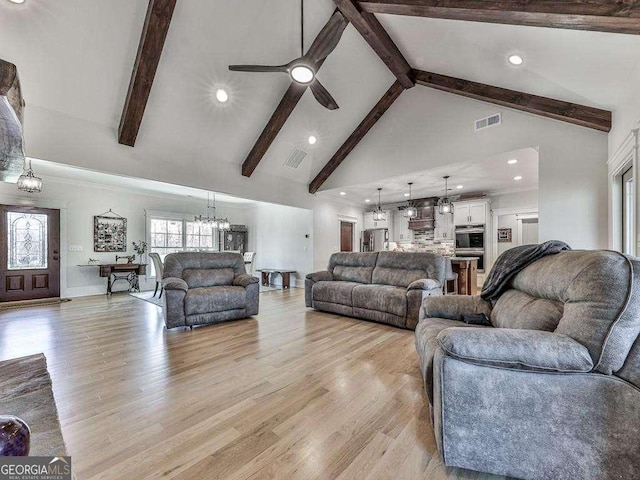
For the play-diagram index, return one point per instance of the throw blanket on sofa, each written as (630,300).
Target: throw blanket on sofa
(512,261)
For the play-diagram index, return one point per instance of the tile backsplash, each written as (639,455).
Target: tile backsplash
(423,242)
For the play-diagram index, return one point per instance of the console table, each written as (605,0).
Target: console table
(121,271)
(285,274)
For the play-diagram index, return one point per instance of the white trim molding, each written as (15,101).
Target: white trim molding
(624,158)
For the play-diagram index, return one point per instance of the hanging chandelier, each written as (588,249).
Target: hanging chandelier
(211,219)
(445,206)
(411,211)
(29,182)
(378,214)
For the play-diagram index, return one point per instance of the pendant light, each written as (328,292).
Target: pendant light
(411,211)
(29,182)
(211,218)
(445,206)
(378,214)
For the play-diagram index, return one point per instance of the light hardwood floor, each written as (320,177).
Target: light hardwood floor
(292,393)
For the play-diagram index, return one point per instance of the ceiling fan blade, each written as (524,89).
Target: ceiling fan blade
(258,68)
(323,97)
(328,38)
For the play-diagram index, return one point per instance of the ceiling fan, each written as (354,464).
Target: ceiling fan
(302,70)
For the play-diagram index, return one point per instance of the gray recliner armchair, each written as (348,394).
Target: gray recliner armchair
(206,288)
(552,389)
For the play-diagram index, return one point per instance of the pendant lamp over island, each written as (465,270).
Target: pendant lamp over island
(410,212)
(378,214)
(445,207)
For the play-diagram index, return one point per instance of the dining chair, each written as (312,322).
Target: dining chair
(248,260)
(159,268)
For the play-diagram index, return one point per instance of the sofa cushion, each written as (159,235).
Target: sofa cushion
(382,298)
(516,309)
(595,287)
(402,268)
(334,292)
(352,274)
(214,299)
(427,332)
(352,267)
(175,263)
(208,277)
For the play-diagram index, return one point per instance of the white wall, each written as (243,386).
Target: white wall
(278,235)
(627,116)
(516,200)
(327,215)
(426,128)
(80,201)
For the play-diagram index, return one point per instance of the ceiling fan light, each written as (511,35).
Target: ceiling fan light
(302,74)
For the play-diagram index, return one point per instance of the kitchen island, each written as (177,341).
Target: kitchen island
(467,270)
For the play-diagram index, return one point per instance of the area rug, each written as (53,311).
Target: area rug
(148,297)
(25,391)
(33,303)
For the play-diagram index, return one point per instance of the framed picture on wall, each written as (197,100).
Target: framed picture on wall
(504,235)
(109,233)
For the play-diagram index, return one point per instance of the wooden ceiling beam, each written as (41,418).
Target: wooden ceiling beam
(613,16)
(154,34)
(378,39)
(358,134)
(576,114)
(291,98)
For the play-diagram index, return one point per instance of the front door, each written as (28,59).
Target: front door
(346,237)
(29,253)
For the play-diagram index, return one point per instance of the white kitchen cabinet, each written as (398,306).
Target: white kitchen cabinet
(370,224)
(444,230)
(471,213)
(401,232)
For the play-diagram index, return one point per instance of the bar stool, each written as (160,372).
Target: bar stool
(450,276)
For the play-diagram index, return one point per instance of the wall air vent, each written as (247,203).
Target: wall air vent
(295,158)
(487,122)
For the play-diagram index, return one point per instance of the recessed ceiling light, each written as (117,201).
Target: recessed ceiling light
(367,201)
(406,194)
(518,177)
(513,161)
(18,2)
(516,60)
(460,187)
(312,140)
(343,193)
(222,96)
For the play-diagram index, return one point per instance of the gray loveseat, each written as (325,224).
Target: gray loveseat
(204,288)
(386,287)
(552,390)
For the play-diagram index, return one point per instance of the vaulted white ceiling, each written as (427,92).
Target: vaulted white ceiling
(75,59)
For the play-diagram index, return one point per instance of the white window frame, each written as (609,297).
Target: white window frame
(626,157)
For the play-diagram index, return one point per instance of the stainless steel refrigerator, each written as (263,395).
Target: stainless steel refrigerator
(374,240)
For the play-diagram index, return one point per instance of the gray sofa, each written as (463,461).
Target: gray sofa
(552,389)
(204,288)
(386,287)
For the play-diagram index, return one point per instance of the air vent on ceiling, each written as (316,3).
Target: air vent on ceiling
(487,122)
(295,158)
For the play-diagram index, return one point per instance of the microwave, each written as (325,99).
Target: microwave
(470,237)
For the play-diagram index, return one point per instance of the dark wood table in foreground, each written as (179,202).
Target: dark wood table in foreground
(285,274)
